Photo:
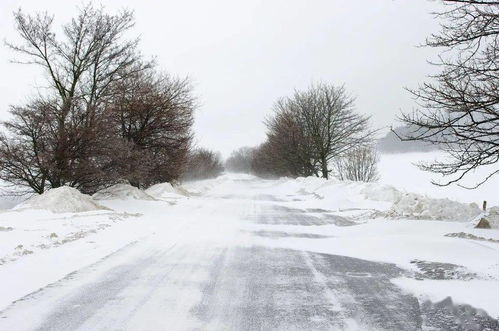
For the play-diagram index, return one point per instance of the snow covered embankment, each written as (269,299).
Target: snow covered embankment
(417,206)
(58,217)
(62,200)
(64,215)
(63,230)
(383,200)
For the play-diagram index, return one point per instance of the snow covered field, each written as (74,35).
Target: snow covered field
(49,257)
(399,170)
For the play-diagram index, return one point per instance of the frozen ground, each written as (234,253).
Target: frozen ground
(241,253)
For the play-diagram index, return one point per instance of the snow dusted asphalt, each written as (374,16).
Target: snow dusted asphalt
(240,256)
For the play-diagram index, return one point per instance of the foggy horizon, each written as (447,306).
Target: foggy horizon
(243,56)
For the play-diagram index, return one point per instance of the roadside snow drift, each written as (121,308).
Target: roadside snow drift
(421,207)
(385,200)
(122,192)
(62,200)
(165,191)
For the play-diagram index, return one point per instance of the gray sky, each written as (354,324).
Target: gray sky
(243,55)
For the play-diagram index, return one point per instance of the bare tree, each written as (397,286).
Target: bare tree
(23,156)
(360,165)
(264,162)
(308,130)
(92,54)
(203,164)
(29,151)
(287,143)
(153,113)
(459,107)
(327,114)
(282,153)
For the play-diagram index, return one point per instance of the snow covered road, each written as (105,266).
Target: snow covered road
(241,255)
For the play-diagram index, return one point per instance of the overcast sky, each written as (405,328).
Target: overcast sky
(243,55)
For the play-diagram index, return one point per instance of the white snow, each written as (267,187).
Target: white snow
(478,293)
(121,192)
(43,247)
(61,200)
(418,206)
(395,221)
(379,192)
(166,191)
(400,171)
(387,200)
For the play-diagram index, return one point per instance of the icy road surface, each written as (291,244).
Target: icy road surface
(236,257)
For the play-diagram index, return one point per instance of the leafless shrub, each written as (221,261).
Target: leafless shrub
(360,164)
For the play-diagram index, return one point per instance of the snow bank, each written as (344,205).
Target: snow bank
(407,205)
(312,184)
(200,187)
(378,192)
(62,200)
(387,200)
(419,206)
(122,192)
(400,171)
(166,191)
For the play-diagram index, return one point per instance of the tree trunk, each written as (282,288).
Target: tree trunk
(325,171)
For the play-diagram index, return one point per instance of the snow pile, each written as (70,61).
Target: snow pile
(422,207)
(122,192)
(62,200)
(377,192)
(312,184)
(385,199)
(400,171)
(166,191)
(200,187)
(402,204)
